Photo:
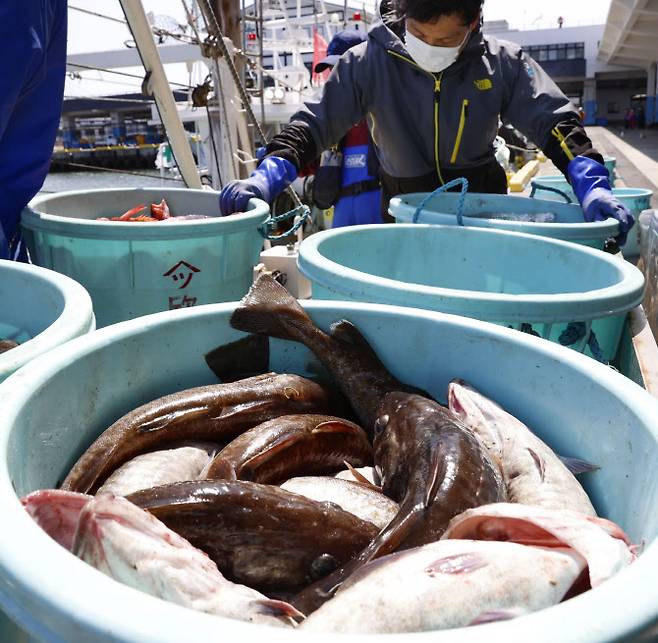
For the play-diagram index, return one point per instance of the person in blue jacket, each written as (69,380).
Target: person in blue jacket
(433,87)
(32,73)
(360,195)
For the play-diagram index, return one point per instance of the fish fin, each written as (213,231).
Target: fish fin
(539,463)
(240,359)
(279,608)
(347,332)
(493,616)
(360,478)
(457,564)
(437,474)
(269,309)
(275,447)
(333,426)
(578,466)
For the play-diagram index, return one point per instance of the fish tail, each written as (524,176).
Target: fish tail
(269,309)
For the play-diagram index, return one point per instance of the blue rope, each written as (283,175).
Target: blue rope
(272,220)
(574,332)
(548,188)
(443,188)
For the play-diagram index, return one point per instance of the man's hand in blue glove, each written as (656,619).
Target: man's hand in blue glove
(272,176)
(590,182)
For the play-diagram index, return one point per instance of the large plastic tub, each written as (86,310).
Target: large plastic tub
(40,310)
(133,269)
(569,223)
(579,406)
(531,283)
(635,199)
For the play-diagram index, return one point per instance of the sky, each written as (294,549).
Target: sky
(89,33)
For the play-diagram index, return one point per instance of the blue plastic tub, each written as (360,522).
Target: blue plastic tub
(635,199)
(40,310)
(531,283)
(569,224)
(133,269)
(578,406)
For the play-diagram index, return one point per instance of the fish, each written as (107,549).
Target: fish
(56,512)
(365,502)
(433,466)
(292,445)
(269,309)
(218,413)
(448,584)
(603,544)
(243,358)
(132,547)
(177,464)
(259,535)
(7,345)
(533,473)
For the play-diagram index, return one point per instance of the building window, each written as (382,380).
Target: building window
(562,51)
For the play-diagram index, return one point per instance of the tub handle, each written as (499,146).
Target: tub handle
(548,188)
(443,188)
(303,212)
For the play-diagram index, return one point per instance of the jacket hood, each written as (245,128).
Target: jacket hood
(388,31)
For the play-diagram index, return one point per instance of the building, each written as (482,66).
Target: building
(631,39)
(605,89)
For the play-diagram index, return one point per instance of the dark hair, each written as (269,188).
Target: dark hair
(431,10)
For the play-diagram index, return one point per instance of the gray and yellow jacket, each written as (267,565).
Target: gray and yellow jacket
(429,128)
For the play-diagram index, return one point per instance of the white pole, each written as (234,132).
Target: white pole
(159,85)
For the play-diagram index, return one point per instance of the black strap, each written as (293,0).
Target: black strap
(355,189)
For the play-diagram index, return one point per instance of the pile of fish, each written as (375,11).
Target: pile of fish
(155,212)
(280,500)
(532,217)
(7,345)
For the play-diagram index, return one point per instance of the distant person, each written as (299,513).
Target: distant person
(641,118)
(433,88)
(32,72)
(631,119)
(356,195)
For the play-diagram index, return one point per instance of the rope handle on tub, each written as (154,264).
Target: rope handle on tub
(549,188)
(443,188)
(303,211)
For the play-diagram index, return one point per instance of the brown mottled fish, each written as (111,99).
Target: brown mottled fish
(433,466)
(259,535)
(7,345)
(217,413)
(292,445)
(269,309)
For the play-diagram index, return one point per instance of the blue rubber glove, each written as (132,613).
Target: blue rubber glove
(266,182)
(591,184)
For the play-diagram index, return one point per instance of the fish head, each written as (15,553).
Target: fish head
(391,444)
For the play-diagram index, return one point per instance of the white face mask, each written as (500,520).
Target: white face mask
(429,57)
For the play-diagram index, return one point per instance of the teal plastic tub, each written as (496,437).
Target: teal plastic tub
(610,163)
(133,269)
(560,291)
(635,199)
(484,211)
(40,310)
(578,406)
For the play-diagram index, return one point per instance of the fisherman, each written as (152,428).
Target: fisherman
(433,87)
(32,69)
(348,175)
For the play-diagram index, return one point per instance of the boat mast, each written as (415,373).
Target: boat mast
(158,85)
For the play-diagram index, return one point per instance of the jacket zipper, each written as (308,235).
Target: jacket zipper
(437,94)
(437,91)
(460,131)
